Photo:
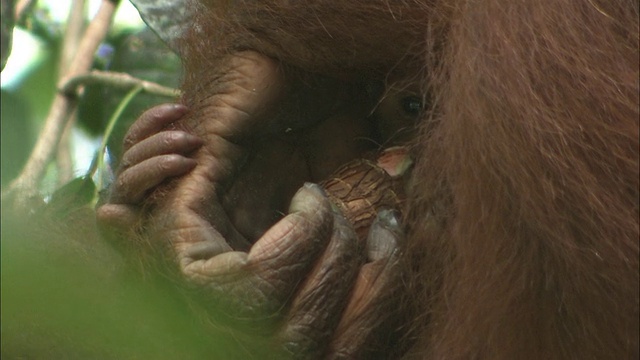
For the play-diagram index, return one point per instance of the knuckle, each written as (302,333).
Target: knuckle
(120,184)
(171,160)
(300,342)
(169,163)
(174,140)
(128,141)
(174,137)
(167,138)
(125,163)
(103,213)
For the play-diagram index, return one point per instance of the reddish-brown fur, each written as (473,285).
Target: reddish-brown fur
(523,225)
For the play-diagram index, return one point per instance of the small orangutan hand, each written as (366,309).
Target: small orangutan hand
(307,279)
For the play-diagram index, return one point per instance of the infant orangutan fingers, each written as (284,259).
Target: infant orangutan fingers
(316,309)
(151,157)
(237,102)
(366,328)
(151,122)
(135,182)
(162,143)
(254,288)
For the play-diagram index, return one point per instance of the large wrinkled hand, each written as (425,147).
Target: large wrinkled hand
(307,280)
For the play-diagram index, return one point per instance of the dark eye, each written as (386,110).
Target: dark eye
(412,105)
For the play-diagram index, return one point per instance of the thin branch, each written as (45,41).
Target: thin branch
(25,186)
(64,155)
(22,7)
(72,37)
(117,80)
(73,33)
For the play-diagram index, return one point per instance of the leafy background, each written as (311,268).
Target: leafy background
(65,293)
(130,47)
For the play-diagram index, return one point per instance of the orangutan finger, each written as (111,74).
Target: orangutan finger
(117,224)
(369,316)
(165,142)
(255,286)
(384,236)
(133,184)
(117,217)
(152,121)
(317,306)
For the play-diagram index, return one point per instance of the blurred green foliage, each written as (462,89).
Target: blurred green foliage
(25,107)
(68,295)
(16,134)
(138,52)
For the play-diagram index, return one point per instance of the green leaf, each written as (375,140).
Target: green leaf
(72,196)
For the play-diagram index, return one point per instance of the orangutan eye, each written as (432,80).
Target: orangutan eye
(412,105)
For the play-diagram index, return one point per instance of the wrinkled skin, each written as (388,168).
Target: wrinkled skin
(522,215)
(296,269)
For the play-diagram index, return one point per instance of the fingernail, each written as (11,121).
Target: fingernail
(175,110)
(384,235)
(336,210)
(308,196)
(396,161)
(389,218)
(315,188)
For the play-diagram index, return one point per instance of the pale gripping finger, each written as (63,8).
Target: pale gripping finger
(151,122)
(163,143)
(134,183)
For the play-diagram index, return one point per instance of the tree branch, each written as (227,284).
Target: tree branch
(25,186)
(72,37)
(22,7)
(117,80)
